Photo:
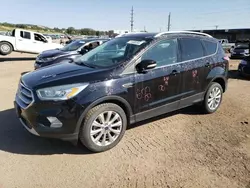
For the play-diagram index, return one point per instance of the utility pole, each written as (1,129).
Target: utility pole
(132,19)
(169,20)
(216,27)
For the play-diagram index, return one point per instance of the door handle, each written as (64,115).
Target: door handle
(34,42)
(174,72)
(20,40)
(207,64)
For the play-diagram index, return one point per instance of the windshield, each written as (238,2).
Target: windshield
(73,46)
(113,52)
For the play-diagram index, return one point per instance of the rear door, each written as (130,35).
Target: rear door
(193,62)
(211,48)
(24,41)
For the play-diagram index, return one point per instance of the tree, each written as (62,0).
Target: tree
(70,30)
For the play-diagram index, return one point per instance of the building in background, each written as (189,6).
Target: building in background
(231,34)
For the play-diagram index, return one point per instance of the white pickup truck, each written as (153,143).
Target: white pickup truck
(25,41)
(226,45)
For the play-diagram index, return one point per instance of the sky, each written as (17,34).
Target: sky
(115,14)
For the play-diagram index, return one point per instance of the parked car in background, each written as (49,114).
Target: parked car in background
(241,49)
(69,52)
(25,41)
(244,67)
(226,45)
(94,98)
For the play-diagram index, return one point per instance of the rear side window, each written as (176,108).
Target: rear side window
(191,49)
(211,47)
(25,35)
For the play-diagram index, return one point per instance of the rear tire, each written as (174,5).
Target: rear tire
(5,48)
(103,127)
(213,98)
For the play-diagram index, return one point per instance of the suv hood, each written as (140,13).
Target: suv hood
(61,74)
(55,53)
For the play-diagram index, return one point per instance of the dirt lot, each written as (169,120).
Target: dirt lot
(182,149)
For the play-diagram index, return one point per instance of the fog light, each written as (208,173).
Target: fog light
(54,122)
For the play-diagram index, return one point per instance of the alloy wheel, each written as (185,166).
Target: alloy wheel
(106,128)
(214,98)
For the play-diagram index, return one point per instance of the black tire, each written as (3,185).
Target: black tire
(206,107)
(84,134)
(5,48)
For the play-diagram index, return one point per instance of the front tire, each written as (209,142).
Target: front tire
(103,127)
(213,98)
(5,48)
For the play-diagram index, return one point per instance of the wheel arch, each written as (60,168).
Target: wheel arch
(108,99)
(220,80)
(8,43)
(218,75)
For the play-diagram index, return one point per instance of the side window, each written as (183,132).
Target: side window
(211,47)
(164,52)
(25,35)
(38,37)
(191,49)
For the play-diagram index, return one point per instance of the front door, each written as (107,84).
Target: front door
(39,43)
(158,90)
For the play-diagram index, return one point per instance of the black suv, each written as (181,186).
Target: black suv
(125,80)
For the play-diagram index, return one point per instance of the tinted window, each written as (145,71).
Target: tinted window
(25,34)
(191,49)
(164,53)
(74,45)
(211,47)
(39,37)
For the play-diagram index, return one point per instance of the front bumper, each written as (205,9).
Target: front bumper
(50,119)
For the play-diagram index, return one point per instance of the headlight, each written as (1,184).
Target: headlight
(59,93)
(243,62)
(247,51)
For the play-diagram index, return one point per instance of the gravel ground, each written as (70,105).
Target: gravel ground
(181,149)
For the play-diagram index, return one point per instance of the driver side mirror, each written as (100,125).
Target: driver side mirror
(145,65)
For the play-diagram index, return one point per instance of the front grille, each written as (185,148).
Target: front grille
(24,96)
(246,70)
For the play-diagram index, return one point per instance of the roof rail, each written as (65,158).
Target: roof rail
(184,32)
(123,34)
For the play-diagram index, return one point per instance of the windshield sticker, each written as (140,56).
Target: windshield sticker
(136,42)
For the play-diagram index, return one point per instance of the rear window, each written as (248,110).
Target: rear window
(211,47)
(191,48)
